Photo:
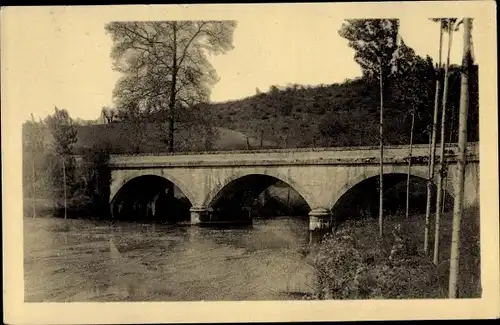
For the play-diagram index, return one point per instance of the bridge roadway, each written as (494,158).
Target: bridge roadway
(321,175)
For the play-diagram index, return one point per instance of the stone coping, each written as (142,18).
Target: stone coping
(471,145)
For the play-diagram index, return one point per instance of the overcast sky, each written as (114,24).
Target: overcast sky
(61,56)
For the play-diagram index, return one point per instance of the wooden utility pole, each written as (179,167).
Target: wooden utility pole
(461,160)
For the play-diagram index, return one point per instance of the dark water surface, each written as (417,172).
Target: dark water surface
(78,260)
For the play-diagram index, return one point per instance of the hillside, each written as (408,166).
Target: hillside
(127,138)
(345,114)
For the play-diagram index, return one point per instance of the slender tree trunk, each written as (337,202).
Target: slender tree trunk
(462,146)
(171,105)
(441,160)
(381,178)
(64,187)
(409,167)
(33,180)
(443,201)
(445,184)
(432,143)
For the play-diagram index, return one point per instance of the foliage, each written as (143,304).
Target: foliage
(374,42)
(60,156)
(63,131)
(33,153)
(165,64)
(353,263)
(96,178)
(109,114)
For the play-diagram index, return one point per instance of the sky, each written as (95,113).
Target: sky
(61,56)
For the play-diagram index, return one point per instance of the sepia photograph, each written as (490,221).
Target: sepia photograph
(250,155)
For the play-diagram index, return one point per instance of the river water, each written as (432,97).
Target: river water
(83,260)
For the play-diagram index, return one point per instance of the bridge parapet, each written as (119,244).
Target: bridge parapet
(319,156)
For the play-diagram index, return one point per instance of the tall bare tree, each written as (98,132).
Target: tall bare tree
(450,28)
(165,64)
(461,157)
(374,42)
(432,138)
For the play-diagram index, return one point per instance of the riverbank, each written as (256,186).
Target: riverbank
(353,263)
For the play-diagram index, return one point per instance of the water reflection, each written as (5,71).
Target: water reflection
(133,262)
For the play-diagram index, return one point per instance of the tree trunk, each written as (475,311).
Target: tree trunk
(171,104)
(409,167)
(381,180)
(445,180)
(443,201)
(432,143)
(64,187)
(461,157)
(439,192)
(33,194)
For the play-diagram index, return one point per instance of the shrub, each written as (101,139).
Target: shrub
(353,263)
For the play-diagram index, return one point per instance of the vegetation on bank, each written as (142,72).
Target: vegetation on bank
(353,263)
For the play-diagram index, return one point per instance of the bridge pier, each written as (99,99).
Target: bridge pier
(199,214)
(320,222)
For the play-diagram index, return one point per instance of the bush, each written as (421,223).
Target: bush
(353,263)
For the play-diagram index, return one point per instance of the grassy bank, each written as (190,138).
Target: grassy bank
(353,263)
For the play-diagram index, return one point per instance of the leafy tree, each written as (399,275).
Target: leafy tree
(165,64)
(96,179)
(35,148)
(64,133)
(109,114)
(374,42)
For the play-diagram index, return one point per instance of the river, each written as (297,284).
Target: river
(84,260)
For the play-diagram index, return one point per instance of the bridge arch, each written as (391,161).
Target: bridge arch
(213,194)
(346,197)
(242,188)
(143,197)
(158,173)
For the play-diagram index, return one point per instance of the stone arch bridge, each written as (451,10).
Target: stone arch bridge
(320,176)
